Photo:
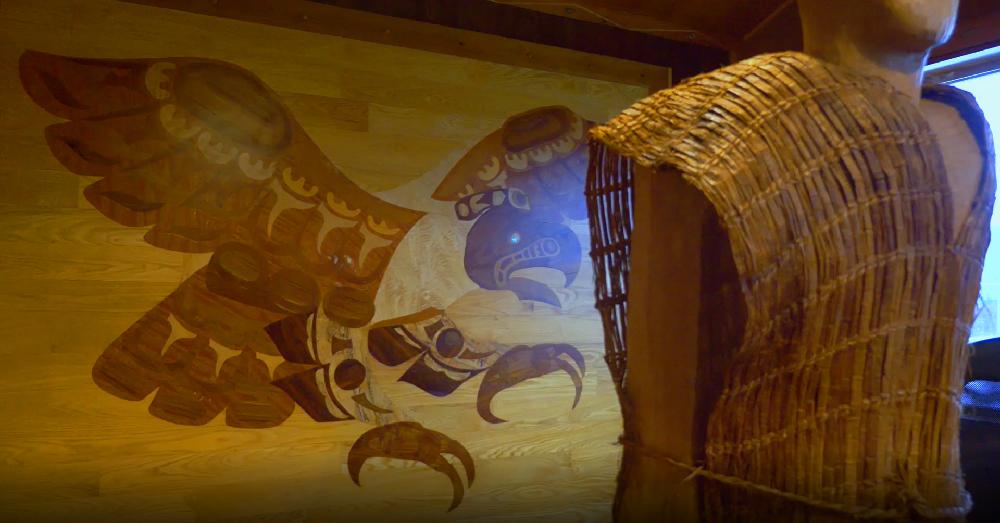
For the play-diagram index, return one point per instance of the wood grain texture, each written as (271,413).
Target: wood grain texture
(72,280)
(721,23)
(611,31)
(432,35)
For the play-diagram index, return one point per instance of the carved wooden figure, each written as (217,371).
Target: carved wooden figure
(788,253)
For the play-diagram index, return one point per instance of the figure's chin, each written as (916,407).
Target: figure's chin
(923,39)
(920,25)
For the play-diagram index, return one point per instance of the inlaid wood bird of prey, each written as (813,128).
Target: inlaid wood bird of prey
(208,158)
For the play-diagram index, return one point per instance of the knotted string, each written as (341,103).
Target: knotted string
(920,507)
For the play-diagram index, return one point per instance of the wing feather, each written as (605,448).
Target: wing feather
(208,157)
(177,138)
(82,88)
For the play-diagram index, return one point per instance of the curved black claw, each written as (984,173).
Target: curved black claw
(523,363)
(411,441)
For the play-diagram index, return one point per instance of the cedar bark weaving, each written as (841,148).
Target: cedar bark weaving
(860,291)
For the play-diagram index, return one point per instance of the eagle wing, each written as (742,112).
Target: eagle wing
(208,157)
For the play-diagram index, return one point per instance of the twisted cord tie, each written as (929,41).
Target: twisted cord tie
(918,503)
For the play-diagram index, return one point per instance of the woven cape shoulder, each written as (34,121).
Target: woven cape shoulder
(669,126)
(859,289)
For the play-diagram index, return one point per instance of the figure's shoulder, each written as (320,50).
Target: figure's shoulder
(967,107)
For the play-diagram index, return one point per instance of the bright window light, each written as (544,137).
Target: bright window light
(986,89)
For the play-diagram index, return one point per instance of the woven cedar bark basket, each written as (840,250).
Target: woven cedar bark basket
(860,291)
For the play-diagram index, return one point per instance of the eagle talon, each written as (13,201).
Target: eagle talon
(411,441)
(523,363)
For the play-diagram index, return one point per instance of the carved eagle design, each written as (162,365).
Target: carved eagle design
(206,156)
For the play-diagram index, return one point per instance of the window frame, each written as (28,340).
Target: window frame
(963,67)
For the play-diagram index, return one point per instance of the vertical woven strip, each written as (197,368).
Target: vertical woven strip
(609,197)
(859,289)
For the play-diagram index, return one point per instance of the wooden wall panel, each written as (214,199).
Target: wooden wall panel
(478,29)
(396,121)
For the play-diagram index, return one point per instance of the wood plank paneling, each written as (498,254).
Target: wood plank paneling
(617,29)
(332,20)
(720,23)
(391,117)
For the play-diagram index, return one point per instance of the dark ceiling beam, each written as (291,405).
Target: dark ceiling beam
(977,28)
(314,17)
(780,31)
(482,16)
(481,30)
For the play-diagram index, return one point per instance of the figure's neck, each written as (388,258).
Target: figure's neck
(901,69)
